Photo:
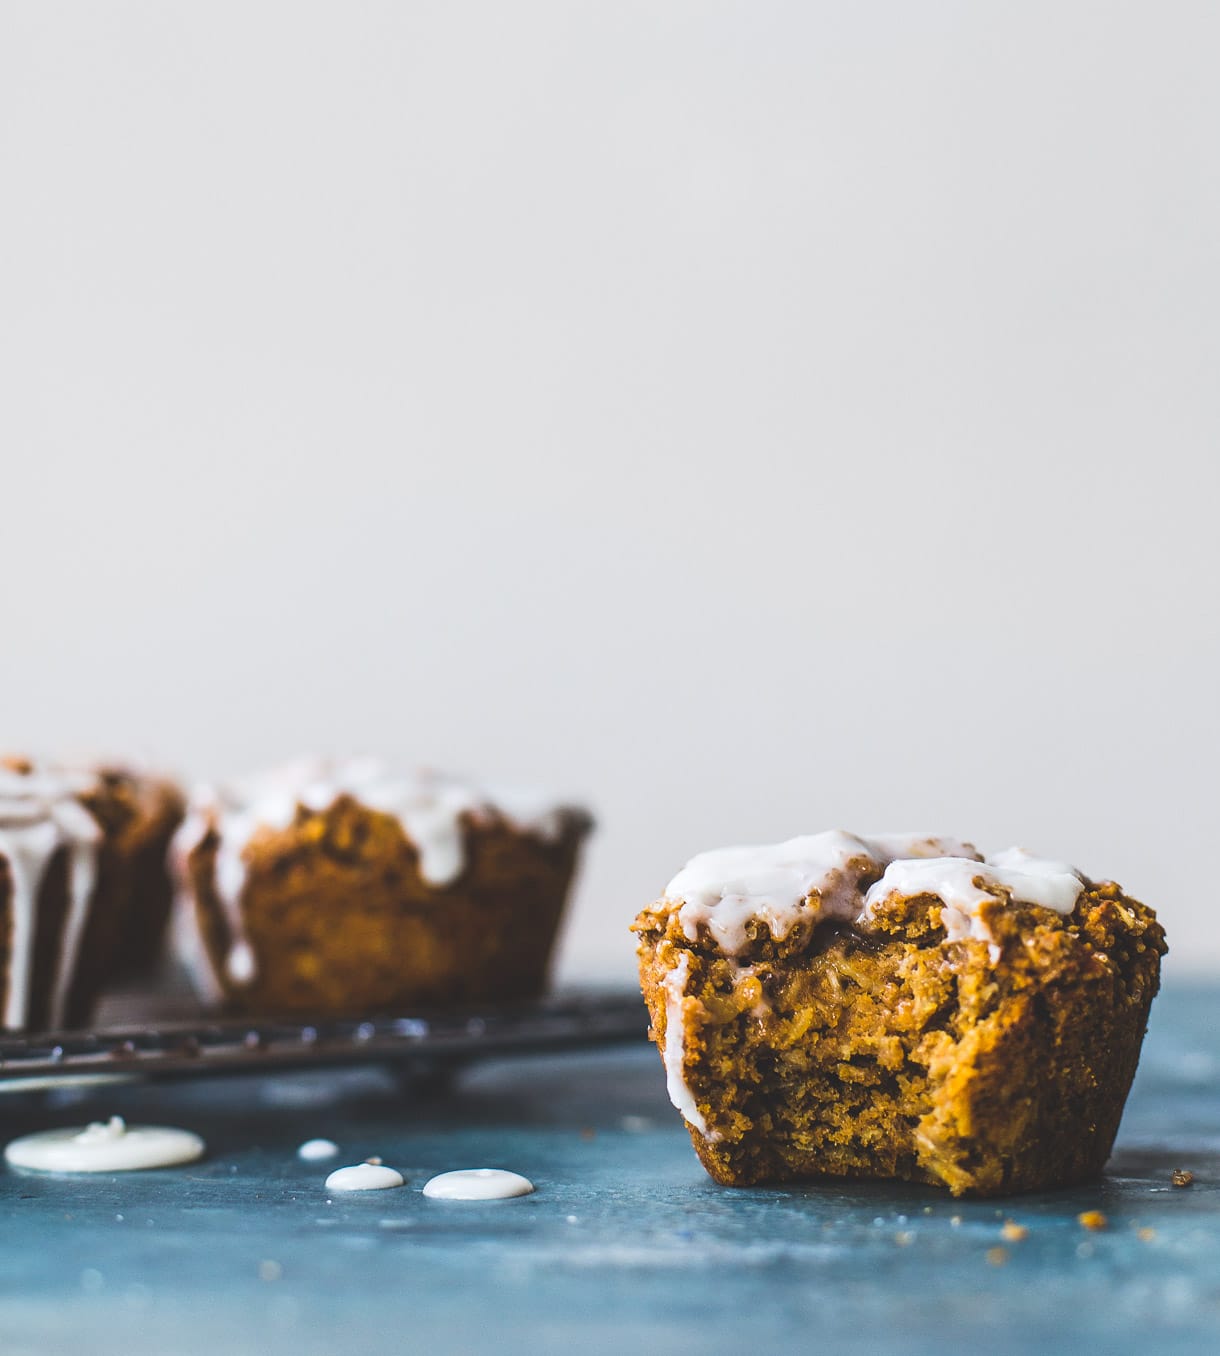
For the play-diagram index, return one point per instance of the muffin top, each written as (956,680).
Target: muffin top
(430,808)
(733,896)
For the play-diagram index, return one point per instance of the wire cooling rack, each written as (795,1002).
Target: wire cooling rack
(420,1043)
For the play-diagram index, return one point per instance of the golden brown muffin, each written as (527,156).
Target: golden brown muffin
(336,889)
(898,1008)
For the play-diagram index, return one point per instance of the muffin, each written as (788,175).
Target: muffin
(337,887)
(82,862)
(898,1007)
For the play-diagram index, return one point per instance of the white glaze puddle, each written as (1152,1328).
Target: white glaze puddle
(477,1184)
(315,1150)
(105,1146)
(364,1177)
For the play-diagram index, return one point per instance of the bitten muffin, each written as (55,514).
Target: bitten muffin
(898,1007)
(337,888)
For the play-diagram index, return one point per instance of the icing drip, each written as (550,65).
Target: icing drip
(187,940)
(819,877)
(430,808)
(82,877)
(675,1036)
(39,815)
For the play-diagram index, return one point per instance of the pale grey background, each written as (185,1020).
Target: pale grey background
(752,417)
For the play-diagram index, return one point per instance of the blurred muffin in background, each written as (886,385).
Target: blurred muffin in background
(336,886)
(84,885)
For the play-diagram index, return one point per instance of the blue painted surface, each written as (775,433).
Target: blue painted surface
(625,1246)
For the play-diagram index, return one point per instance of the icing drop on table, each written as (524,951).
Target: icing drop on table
(314,1149)
(105,1146)
(364,1177)
(477,1184)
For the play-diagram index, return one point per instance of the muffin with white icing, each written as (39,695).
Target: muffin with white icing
(898,1006)
(338,887)
(82,876)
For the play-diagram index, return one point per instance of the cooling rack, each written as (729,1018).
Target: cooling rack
(424,1043)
